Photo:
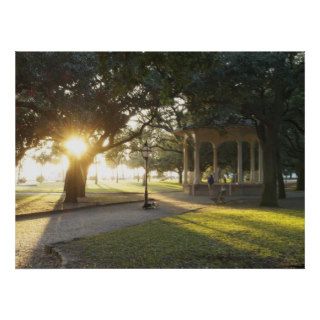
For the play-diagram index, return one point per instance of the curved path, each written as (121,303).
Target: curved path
(32,235)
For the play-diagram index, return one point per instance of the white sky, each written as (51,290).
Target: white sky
(30,169)
(52,172)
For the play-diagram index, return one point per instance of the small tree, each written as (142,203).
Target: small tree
(40,179)
(42,158)
(115,157)
(170,161)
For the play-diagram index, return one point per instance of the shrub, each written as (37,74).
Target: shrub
(40,179)
(22,180)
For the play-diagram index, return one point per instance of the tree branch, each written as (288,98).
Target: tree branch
(28,105)
(296,125)
(167,149)
(131,137)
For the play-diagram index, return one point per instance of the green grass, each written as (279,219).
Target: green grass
(209,238)
(102,193)
(121,186)
(40,187)
(133,186)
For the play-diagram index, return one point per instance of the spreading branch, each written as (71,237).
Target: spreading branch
(129,138)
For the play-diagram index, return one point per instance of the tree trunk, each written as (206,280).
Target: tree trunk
(300,180)
(96,177)
(281,186)
(19,171)
(71,183)
(41,173)
(76,178)
(180,176)
(83,173)
(268,142)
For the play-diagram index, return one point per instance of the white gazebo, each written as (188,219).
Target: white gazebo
(217,136)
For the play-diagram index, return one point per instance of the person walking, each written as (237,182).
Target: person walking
(210,185)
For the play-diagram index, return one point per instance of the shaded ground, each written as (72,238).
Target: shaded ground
(294,200)
(48,196)
(208,238)
(44,202)
(185,235)
(102,187)
(32,234)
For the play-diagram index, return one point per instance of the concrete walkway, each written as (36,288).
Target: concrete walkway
(33,234)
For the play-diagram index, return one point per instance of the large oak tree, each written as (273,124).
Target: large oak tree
(249,85)
(89,95)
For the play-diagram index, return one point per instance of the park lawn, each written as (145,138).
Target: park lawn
(213,237)
(101,187)
(133,186)
(26,204)
(40,187)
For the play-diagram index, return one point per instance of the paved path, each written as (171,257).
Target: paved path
(33,234)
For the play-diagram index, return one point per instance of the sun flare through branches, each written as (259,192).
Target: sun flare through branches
(76,146)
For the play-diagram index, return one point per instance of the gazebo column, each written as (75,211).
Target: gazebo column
(252,161)
(196,179)
(239,144)
(215,162)
(185,160)
(260,163)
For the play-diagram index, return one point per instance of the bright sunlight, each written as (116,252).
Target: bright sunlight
(76,146)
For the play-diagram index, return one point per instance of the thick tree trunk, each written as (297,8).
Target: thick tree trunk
(269,194)
(82,179)
(269,142)
(76,178)
(71,183)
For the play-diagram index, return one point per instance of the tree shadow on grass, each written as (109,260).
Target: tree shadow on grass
(261,236)
(29,199)
(34,204)
(172,244)
(106,189)
(161,244)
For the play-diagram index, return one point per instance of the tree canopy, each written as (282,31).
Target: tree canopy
(90,95)
(110,98)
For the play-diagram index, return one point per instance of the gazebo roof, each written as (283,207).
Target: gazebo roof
(219,125)
(222,131)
